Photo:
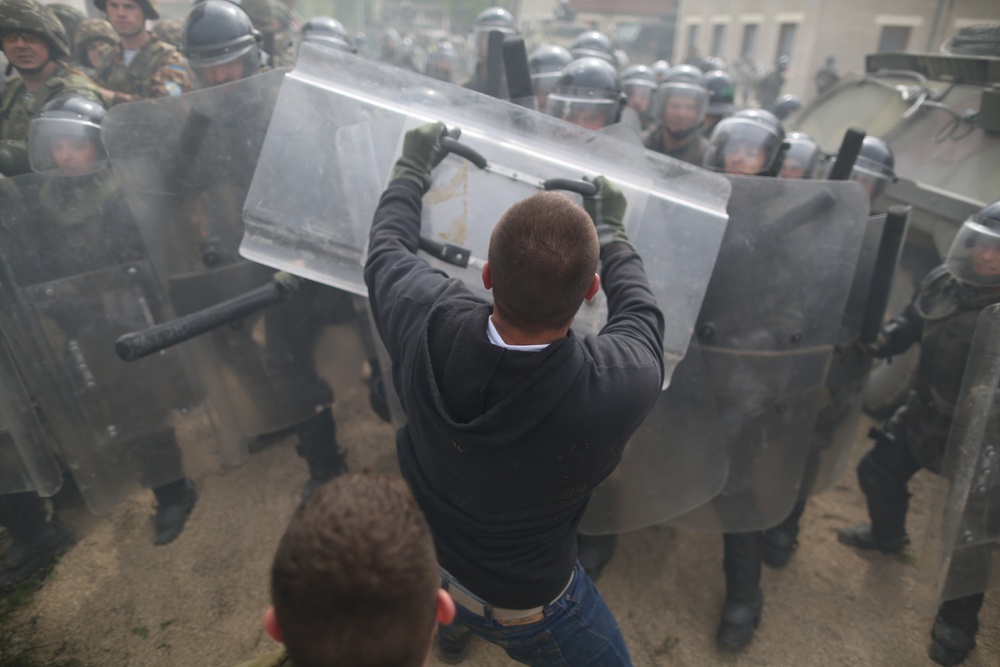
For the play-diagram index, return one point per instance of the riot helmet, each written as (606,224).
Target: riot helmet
(390,44)
(721,93)
(33,18)
(493,18)
(443,62)
(639,82)
(90,33)
(588,93)
(660,69)
(801,157)
(785,106)
(220,43)
(873,168)
(620,58)
(66,135)
(546,63)
(592,44)
(326,31)
(681,101)
(150,8)
(751,142)
(974,257)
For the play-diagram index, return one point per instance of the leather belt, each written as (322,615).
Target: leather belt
(469,602)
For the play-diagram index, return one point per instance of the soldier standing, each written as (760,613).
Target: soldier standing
(142,66)
(942,318)
(36,45)
(95,40)
(679,108)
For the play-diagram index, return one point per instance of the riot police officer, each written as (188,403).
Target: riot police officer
(786,106)
(326,31)
(489,20)
(748,143)
(221,44)
(801,157)
(592,44)
(679,110)
(588,93)
(546,63)
(721,94)
(942,318)
(639,83)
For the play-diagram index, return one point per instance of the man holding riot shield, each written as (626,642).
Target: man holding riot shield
(942,318)
(501,398)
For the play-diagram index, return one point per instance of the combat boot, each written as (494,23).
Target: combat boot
(864,537)
(318,446)
(955,628)
(781,541)
(174,503)
(30,556)
(744,598)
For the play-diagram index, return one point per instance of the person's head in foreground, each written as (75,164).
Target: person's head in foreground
(355,579)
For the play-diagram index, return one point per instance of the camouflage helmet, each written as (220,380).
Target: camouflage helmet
(151,8)
(170,31)
(70,17)
(92,30)
(34,17)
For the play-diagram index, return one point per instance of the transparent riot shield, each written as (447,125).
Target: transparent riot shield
(76,276)
(26,459)
(338,128)
(961,550)
(186,166)
(767,330)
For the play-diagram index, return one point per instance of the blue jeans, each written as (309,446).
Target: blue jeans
(576,630)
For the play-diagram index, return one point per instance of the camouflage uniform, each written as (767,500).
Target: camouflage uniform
(90,31)
(157,70)
(170,31)
(17,107)
(693,152)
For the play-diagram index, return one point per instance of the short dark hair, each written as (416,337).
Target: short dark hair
(355,579)
(543,255)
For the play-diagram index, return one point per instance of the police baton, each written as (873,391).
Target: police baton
(850,148)
(889,248)
(138,344)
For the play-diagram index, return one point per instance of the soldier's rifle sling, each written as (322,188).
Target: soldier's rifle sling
(893,233)
(138,344)
(850,148)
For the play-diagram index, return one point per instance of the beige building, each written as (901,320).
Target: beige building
(808,31)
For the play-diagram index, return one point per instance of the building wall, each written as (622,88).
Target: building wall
(845,29)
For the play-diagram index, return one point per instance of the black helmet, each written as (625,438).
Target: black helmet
(751,142)
(639,82)
(721,93)
(442,62)
(326,31)
(801,157)
(74,117)
(36,18)
(974,257)
(874,167)
(681,82)
(546,63)
(588,93)
(494,18)
(660,69)
(592,44)
(217,32)
(785,106)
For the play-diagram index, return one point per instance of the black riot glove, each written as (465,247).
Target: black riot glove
(13,158)
(607,209)
(422,151)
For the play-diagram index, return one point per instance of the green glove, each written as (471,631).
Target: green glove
(422,151)
(607,210)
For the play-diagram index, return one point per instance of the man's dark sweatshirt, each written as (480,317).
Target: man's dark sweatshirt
(502,448)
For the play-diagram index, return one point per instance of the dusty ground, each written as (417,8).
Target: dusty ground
(115,600)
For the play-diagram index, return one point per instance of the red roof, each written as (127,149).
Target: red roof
(641,7)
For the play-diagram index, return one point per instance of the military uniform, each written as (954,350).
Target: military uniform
(693,152)
(157,70)
(18,106)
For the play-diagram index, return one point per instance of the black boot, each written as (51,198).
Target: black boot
(594,552)
(318,446)
(955,628)
(744,598)
(888,501)
(865,537)
(29,557)
(453,643)
(780,542)
(174,502)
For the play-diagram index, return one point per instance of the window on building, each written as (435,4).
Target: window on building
(749,47)
(893,38)
(693,39)
(786,40)
(718,39)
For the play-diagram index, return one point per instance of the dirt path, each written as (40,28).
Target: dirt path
(115,600)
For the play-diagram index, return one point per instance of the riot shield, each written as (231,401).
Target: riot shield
(76,275)
(26,460)
(338,128)
(961,550)
(767,330)
(186,166)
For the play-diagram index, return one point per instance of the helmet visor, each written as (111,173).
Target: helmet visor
(742,147)
(680,107)
(974,257)
(70,145)
(591,114)
(544,82)
(225,70)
